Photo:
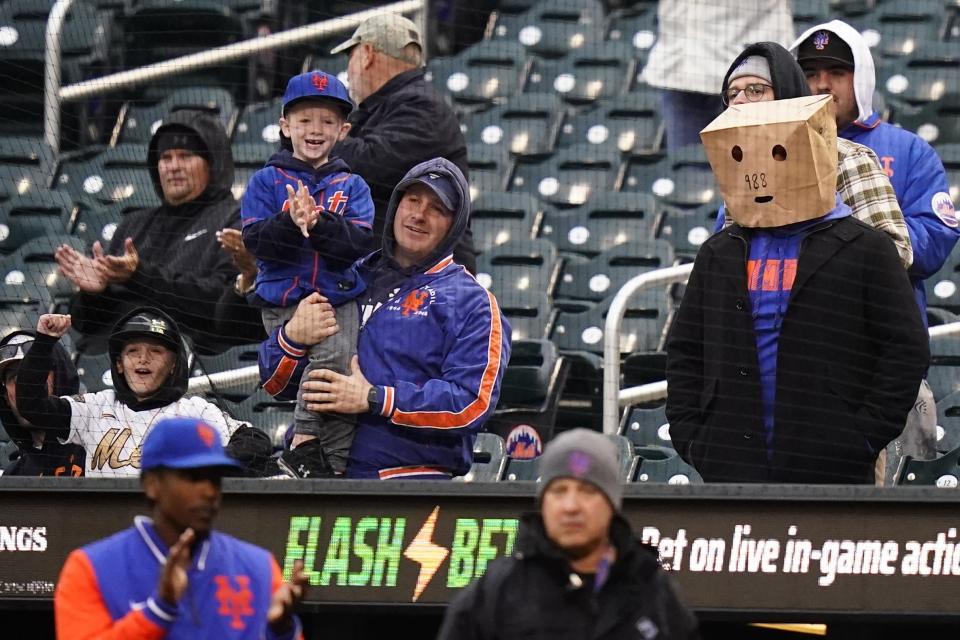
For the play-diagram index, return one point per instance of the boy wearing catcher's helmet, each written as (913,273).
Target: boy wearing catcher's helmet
(148,363)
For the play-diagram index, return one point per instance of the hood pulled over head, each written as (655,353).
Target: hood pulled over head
(204,135)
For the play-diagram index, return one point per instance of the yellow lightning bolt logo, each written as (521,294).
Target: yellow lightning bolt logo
(424,552)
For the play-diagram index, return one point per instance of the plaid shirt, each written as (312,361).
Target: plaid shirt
(865,188)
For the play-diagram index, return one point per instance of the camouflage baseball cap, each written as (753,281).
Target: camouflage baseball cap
(388,32)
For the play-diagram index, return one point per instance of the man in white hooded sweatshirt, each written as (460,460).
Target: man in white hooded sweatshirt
(836,60)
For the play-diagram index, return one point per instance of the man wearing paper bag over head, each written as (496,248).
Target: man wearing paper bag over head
(797,349)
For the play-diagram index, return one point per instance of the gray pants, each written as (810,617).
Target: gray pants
(334,430)
(919,436)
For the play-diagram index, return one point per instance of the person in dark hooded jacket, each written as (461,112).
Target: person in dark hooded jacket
(38,455)
(169,257)
(577,571)
(433,343)
(148,363)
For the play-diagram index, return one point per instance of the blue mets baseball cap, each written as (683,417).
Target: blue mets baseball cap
(317,85)
(440,183)
(184,443)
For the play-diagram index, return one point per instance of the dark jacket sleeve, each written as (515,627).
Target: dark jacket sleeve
(680,622)
(33,400)
(900,342)
(685,363)
(463,618)
(384,153)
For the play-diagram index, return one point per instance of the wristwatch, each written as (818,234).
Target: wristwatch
(374,405)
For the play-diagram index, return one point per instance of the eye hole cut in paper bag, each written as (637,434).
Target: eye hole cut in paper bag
(775,162)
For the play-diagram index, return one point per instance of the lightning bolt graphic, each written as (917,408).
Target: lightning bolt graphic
(424,552)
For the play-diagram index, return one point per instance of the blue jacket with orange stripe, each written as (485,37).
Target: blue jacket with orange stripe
(291,267)
(107,590)
(434,344)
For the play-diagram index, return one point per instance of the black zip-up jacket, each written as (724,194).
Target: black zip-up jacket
(396,128)
(534,595)
(182,268)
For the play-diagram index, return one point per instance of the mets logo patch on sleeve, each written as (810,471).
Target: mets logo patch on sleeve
(942,205)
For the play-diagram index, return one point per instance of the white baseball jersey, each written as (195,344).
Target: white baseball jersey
(112,433)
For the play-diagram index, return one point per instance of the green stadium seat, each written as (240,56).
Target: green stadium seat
(490,168)
(117,175)
(268,414)
(234,358)
(683,179)
(943,287)
(944,472)
(580,328)
(895,29)
(526,125)
(529,397)
(498,218)
(552,28)
(35,214)
(604,222)
(522,470)
(570,177)
(596,72)
(138,122)
(489,461)
(657,465)
(944,372)
(687,228)
(34,267)
(636,26)
(95,373)
(96,222)
(630,123)
(948,423)
(21,307)
(647,426)
(601,276)
(520,265)
(481,75)
(530,313)
(936,122)
(26,166)
(926,76)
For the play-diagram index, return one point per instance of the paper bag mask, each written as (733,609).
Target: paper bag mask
(775,162)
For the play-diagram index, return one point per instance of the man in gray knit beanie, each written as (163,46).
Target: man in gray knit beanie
(577,570)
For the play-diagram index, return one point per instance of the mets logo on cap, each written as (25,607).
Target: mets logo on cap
(821,40)
(320,81)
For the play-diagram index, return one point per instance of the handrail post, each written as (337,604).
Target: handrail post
(52,73)
(611,336)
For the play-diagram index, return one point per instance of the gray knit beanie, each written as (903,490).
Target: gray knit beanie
(752,66)
(584,455)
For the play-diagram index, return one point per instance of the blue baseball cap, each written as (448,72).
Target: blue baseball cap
(441,184)
(184,443)
(317,85)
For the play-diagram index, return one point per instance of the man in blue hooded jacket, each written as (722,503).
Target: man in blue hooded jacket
(433,343)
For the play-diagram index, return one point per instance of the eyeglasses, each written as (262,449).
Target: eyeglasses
(15,348)
(754,93)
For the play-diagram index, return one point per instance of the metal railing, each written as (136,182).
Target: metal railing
(54,94)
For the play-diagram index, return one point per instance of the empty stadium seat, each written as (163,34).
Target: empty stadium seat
(498,218)
(944,472)
(519,470)
(34,267)
(659,465)
(628,123)
(489,459)
(647,426)
(943,287)
(944,372)
(26,165)
(526,125)
(522,265)
(118,174)
(605,221)
(138,122)
(529,397)
(948,423)
(94,371)
(926,76)
(635,26)
(552,28)
(625,457)
(490,168)
(480,75)
(571,176)
(21,307)
(642,329)
(687,228)
(84,49)
(256,135)
(96,222)
(234,358)
(810,13)
(530,313)
(896,29)
(157,30)
(35,214)
(268,414)
(595,72)
(596,278)
(323,61)
(682,179)
(936,122)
